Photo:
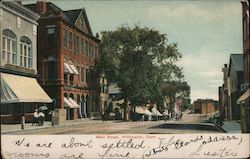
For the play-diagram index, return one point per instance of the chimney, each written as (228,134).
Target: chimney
(41,7)
(97,35)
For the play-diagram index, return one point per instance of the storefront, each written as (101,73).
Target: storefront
(244,103)
(20,96)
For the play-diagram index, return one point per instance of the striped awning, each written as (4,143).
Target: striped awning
(17,89)
(70,103)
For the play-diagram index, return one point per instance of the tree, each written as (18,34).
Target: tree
(172,88)
(138,60)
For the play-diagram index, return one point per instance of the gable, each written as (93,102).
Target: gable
(82,22)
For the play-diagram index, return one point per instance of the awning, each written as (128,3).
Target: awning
(155,112)
(139,110)
(17,89)
(74,103)
(142,110)
(67,68)
(244,97)
(147,112)
(67,103)
(74,69)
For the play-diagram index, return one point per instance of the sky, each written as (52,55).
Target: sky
(207,32)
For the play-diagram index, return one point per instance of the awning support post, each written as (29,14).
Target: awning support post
(22,122)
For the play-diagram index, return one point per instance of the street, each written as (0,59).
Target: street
(190,123)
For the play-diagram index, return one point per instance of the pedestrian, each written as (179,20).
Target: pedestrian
(35,117)
(41,118)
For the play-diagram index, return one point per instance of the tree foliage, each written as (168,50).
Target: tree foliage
(140,61)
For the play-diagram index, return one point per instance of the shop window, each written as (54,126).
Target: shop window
(17,109)
(5,109)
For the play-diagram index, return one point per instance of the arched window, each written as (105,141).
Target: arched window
(71,96)
(9,51)
(25,52)
(66,95)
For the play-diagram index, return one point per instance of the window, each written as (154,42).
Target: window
(65,79)
(9,49)
(17,109)
(82,46)
(70,40)
(82,74)
(65,38)
(71,78)
(51,70)
(78,69)
(6,109)
(25,52)
(30,107)
(87,48)
(78,44)
(51,36)
(87,75)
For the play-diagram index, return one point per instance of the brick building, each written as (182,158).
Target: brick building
(20,92)
(67,51)
(204,106)
(244,100)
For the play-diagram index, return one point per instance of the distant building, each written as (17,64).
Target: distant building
(244,100)
(20,92)
(67,52)
(223,97)
(104,93)
(235,79)
(204,106)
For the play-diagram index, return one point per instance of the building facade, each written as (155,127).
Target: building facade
(244,100)
(20,92)
(204,106)
(235,79)
(67,51)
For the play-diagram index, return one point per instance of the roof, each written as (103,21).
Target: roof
(237,61)
(73,14)
(69,16)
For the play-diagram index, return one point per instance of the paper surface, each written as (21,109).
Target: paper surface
(125,146)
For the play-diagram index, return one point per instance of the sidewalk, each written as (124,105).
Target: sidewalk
(11,128)
(231,126)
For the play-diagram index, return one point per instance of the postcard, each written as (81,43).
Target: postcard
(124,79)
